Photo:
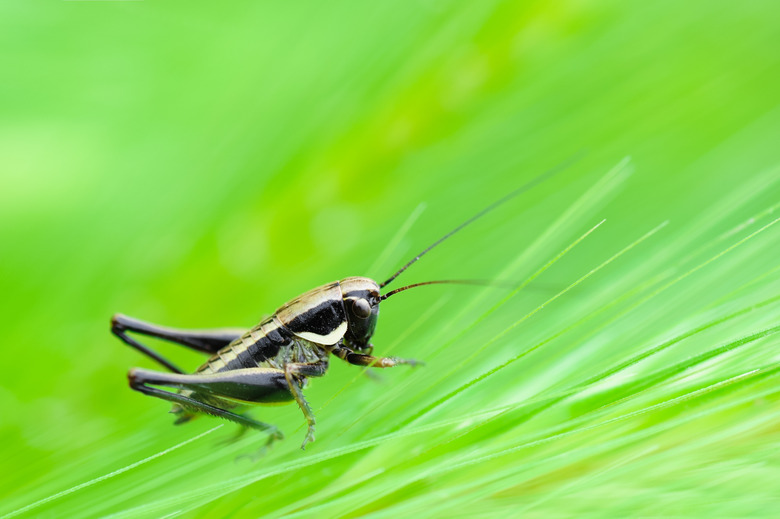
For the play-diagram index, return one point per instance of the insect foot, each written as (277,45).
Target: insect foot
(309,437)
(389,362)
(274,434)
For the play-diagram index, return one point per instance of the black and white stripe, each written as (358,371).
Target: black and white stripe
(251,350)
(317,316)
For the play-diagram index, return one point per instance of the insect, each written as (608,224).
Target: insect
(272,362)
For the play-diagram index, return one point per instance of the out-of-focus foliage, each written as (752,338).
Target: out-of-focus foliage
(198,164)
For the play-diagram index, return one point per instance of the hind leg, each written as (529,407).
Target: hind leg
(206,341)
(249,385)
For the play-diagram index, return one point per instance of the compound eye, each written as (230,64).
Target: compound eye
(361,308)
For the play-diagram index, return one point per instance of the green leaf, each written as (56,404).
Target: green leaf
(199,165)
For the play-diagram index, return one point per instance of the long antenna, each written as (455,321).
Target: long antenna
(477,282)
(520,190)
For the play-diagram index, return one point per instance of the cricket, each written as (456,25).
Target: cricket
(272,362)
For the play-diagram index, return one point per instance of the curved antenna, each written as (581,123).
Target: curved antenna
(520,190)
(478,282)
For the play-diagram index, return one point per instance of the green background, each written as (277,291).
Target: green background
(198,164)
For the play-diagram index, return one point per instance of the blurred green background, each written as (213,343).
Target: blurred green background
(198,164)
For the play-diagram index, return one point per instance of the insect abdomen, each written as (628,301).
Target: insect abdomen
(259,344)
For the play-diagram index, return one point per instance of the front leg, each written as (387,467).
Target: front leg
(367,372)
(359,359)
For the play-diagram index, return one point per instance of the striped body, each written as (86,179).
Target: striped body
(299,331)
(302,331)
(259,347)
(267,345)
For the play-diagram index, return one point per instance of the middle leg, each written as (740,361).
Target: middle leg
(295,373)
